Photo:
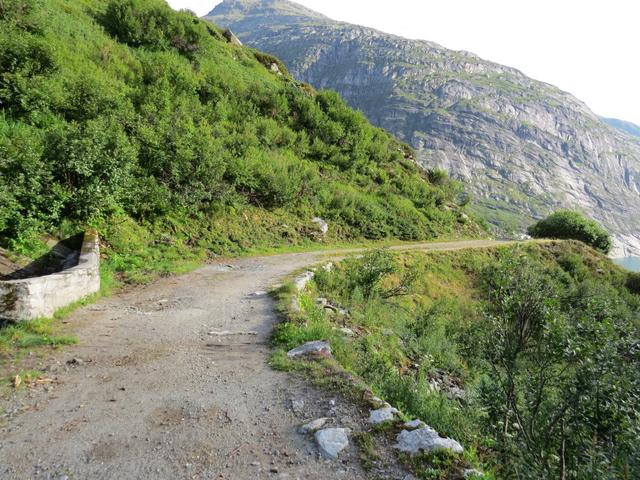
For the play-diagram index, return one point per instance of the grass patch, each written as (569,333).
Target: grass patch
(368,452)
(425,332)
(42,332)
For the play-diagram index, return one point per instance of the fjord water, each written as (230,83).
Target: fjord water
(630,263)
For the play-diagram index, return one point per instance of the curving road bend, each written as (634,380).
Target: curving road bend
(171,381)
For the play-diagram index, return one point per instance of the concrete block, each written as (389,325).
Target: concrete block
(36,297)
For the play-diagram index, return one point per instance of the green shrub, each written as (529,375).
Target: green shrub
(437,176)
(633,282)
(151,23)
(567,224)
(94,163)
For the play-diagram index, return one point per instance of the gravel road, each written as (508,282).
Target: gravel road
(171,381)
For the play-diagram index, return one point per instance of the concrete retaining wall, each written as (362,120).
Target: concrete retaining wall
(36,297)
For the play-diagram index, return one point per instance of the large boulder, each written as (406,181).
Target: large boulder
(301,281)
(381,415)
(331,441)
(323,226)
(426,440)
(316,349)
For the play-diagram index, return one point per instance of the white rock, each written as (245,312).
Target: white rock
(314,425)
(297,405)
(472,473)
(295,305)
(413,424)
(381,415)
(301,282)
(322,302)
(347,331)
(425,439)
(318,348)
(322,224)
(332,441)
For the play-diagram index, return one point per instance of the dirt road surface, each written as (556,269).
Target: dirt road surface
(153,391)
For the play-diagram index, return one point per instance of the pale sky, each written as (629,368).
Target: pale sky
(589,48)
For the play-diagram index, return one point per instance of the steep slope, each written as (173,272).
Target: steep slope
(152,126)
(525,146)
(629,127)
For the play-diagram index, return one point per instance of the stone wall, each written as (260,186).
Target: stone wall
(37,297)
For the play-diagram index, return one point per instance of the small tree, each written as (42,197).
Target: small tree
(567,224)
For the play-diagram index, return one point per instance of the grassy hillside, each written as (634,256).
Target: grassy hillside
(524,148)
(527,355)
(149,125)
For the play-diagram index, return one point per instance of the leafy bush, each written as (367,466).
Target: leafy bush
(148,23)
(437,176)
(633,282)
(566,224)
(555,369)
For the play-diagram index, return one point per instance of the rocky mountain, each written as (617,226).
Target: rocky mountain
(630,128)
(523,147)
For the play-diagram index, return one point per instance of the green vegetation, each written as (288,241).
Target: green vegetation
(567,224)
(532,350)
(147,124)
(27,335)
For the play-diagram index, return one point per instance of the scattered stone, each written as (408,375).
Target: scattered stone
(314,425)
(322,225)
(425,439)
(413,424)
(322,302)
(255,464)
(275,69)
(409,477)
(295,305)
(331,441)
(384,414)
(297,405)
(316,349)
(328,267)
(75,361)
(259,293)
(347,331)
(301,282)
(456,393)
(472,473)
(375,402)
(441,381)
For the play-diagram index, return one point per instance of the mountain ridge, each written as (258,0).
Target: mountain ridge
(525,147)
(623,125)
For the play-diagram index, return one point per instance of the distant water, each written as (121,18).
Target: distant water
(630,263)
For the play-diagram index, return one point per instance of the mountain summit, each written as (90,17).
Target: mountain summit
(524,147)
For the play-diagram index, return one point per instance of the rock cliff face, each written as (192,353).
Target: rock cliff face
(523,147)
